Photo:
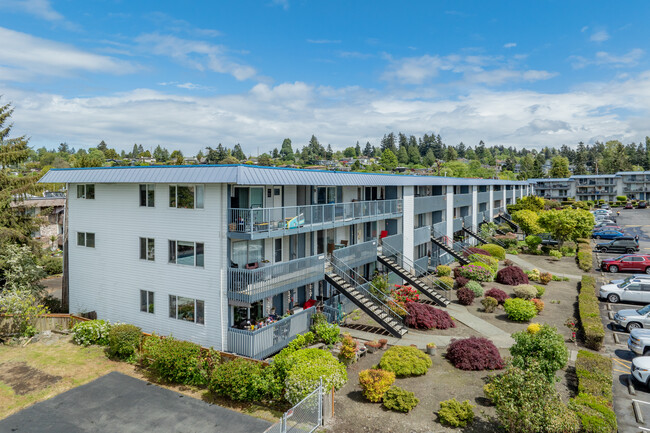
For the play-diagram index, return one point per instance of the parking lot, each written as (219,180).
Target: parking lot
(626,394)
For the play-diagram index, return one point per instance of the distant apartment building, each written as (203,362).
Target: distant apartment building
(635,185)
(49,212)
(219,254)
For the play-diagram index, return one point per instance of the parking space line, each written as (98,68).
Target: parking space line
(640,401)
(643,428)
(621,371)
(622,362)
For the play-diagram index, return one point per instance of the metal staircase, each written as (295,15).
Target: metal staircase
(470,231)
(416,276)
(506,218)
(356,288)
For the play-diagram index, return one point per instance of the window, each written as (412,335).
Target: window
(86,239)
(147,195)
(146,301)
(147,249)
(247,252)
(186,253)
(186,196)
(278,250)
(188,309)
(86,191)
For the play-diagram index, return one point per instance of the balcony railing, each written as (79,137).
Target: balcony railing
(461,200)
(395,242)
(458,224)
(266,341)
(421,235)
(357,255)
(290,218)
(440,227)
(250,285)
(429,204)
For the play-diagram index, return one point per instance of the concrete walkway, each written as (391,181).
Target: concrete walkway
(527,265)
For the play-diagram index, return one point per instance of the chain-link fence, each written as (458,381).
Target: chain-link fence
(304,417)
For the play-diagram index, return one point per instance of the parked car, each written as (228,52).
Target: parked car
(613,226)
(601,212)
(639,341)
(640,369)
(607,234)
(642,205)
(601,218)
(631,277)
(547,239)
(605,223)
(626,263)
(625,244)
(633,319)
(634,290)
(604,206)
(629,205)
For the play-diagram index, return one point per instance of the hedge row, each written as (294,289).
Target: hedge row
(584,257)
(589,309)
(593,405)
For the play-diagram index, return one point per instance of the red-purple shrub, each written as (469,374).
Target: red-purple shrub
(461,281)
(474,353)
(497,294)
(457,272)
(423,316)
(512,276)
(465,296)
(473,250)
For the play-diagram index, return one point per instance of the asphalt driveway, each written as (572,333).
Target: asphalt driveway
(120,403)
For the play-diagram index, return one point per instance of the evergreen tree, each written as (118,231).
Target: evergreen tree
(357,149)
(429,159)
(388,160)
(102,146)
(286,151)
(414,155)
(161,154)
(388,142)
(240,155)
(403,155)
(368,150)
(451,154)
(559,167)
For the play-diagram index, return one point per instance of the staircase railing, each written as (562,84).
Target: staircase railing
(493,240)
(420,273)
(357,281)
(459,247)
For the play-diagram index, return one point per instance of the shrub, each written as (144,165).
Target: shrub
(443,271)
(465,296)
(461,281)
(474,353)
(533,275)
(124,341)
(539,304)
(540,290)
(533,328)
(512,276)
(533,242)
(52,265)
(326,332)
(178,361)
(375,383)
(584,257)
(544,350)
(594,373)
(497,294)
(489,304)
(405,361)
(91,332)
(555,254)
(456,414)
(545,277)
(495,251)
(484,266)
(589,309)
(508,240)
(308,366)
(447,281)
(595,414)
(400,400)
(21,307)
(423,316)
(348,351)
(525,291)
(474,250)
(519,310)
(405,294)
(476,272)
(240,380)
(476,288)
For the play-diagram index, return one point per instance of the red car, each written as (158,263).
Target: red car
(629,205)
(627,263)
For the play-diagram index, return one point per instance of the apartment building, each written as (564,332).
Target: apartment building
(219,254)
(632,184)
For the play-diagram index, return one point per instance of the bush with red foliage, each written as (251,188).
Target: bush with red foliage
(512,276)
(461,281)
(497,294)
(474,353)
(465,296)
(423,316)
(457,272)
(473,250)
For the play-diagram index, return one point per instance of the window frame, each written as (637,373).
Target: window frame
(148,254)
(198,306)
(149,306)
(172,253)
(86,239)
(86,191)
(198,200)
(149,194)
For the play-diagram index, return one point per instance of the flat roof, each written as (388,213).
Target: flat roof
(251,175)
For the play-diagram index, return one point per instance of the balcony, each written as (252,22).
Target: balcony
(396,242)
(458,224)
(421,235)
(461,200)
(440,228)
(250,285)
(270,222)
(429,204)
(483,197)
(265,341)
(357,255)
(636,189)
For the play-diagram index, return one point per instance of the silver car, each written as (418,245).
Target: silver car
(631,277)
(632,290)
(633,319)
(640,369)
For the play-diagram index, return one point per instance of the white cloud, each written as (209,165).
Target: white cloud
(283,3)
(41,9)
(584,29)
(24,57)
(631,58)
(510,45)
(600,36)
(266,114)
(417,70)
(195,54)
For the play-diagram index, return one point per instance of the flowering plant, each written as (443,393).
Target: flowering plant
(405,294)
(476,273)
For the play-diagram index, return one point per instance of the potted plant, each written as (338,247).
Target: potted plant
(372,346)
(431,348)
(382,343)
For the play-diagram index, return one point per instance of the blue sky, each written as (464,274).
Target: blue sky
(193,74)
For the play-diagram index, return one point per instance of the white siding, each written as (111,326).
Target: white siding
(109,277)
(408,223)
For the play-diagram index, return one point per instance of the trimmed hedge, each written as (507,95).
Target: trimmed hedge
(589,309)
(124,341)
(594,373)
(495,251)
(595,414)
(584,256)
